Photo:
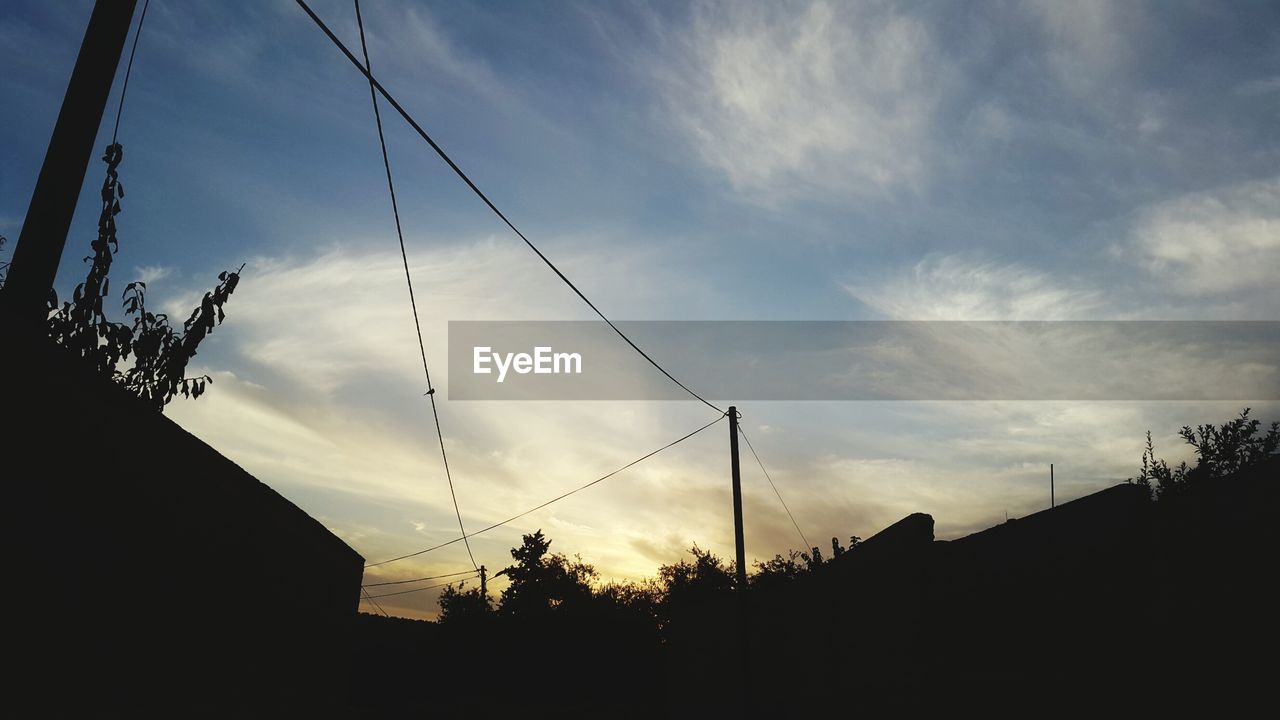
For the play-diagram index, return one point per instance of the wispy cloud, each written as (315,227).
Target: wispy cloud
(783,100)
(953,287)
(1214,244)
(150,274)
(1090,44)
(411,44)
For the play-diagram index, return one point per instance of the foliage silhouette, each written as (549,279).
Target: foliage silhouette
(770,573)
(543,582)
(637,601)
(4,266)
(837,551)
(705,577)
(1223,450)
(778,571)
(160,353)
(460,605)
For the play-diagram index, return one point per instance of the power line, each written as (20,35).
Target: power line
(128,70)
(555,499)
(742,432)
(432,577)
(479,193)
(395,209)
(429,587)
(373,602)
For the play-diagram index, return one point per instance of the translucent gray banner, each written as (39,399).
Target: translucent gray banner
(867,360)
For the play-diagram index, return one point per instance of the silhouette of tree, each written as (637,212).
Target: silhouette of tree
(812,559)
(4,266)
(837,551)
(458,604)
(1156,475)
(1220,451)
(630,611)
(160,353)
(1232,446)
(542,582)
(703,579)
(632,598)
(692,593)
(776,572)
(780,570)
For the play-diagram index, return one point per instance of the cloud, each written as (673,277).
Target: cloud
(150,274)
(412,41)
(1213,244)
(1207,255)
(785,100)
(1089,43)
(952,287)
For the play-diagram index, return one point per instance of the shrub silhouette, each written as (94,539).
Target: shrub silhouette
(4,266)
(458,604)
(160,353)
(1220,451)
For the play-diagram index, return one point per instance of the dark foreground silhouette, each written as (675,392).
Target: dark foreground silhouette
(159,579)
(1115,600)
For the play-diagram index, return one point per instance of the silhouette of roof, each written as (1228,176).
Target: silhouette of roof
(1109,509)
(140,479)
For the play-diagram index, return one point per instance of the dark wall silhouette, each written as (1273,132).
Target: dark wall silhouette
(155,570)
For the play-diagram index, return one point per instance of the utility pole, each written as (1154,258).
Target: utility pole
(44,232)
(484,588)
(737,499)
(1052,502)
(744,621)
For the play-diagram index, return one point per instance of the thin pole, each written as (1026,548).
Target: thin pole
(739,545)
(484,588)
(744,621)
(1052,502)
(44,232)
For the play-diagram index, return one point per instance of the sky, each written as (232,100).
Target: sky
(705,160)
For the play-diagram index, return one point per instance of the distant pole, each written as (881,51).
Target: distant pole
(737,499)
(1052,502)
(44,232)
(484,589)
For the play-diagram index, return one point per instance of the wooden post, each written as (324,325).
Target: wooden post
(738,542)
(1052,502)
(44,232)
(484,588)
